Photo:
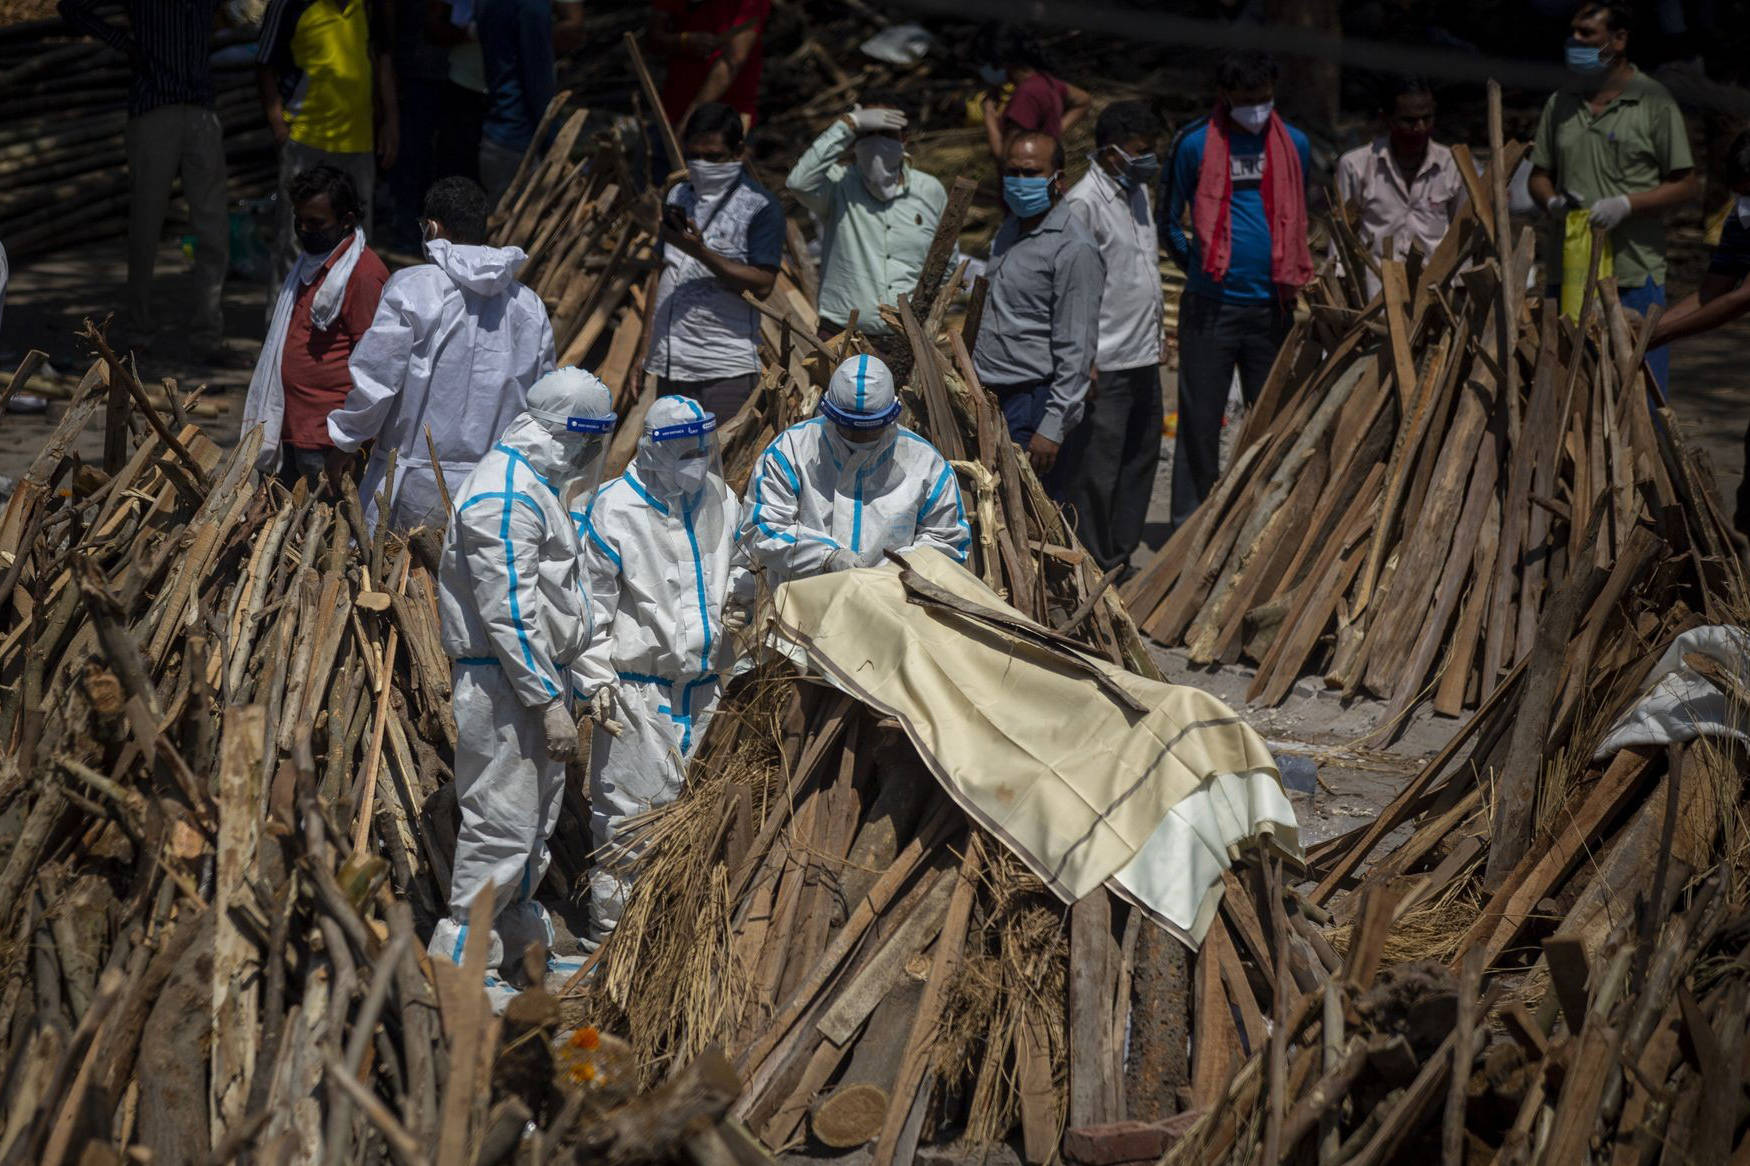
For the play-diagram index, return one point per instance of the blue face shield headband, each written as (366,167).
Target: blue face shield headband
(591,424)
(698,427)
(850,420)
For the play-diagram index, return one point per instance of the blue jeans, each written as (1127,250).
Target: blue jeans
(1639,299)
(1023,409)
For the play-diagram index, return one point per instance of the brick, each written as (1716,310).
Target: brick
(1115,1143)
(1124,1143)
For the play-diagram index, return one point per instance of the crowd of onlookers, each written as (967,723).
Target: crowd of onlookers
(443,97)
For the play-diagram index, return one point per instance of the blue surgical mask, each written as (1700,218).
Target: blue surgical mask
(1133,172)
(1027,196)
(1586,59)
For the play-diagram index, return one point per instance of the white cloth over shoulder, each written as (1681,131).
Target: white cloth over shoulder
(454,347)
(1679,703)
(265,404)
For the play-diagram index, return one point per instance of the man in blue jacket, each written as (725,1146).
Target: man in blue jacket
(1241,174)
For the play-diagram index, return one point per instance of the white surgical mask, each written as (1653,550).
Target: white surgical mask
(881,165)
(689,474)
(1744,209)
(712,179)
(1253,118)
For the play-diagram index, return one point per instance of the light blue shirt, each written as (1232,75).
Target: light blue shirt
(872,250)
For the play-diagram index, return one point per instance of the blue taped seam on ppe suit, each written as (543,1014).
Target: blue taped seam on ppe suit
(515,617)
(813,493)
(660,559)
(820,501)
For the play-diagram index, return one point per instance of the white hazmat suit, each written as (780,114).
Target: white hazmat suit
(822,501)
(516,617)
(659,551)
(454,347)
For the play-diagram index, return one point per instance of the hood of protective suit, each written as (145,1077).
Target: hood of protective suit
(677,452)
(860,399)
(565,428)
(487,271)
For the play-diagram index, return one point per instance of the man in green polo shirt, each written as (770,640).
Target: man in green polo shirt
(1613,142)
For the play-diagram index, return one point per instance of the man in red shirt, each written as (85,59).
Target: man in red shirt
(324,307)
(1040,103)
(713,51)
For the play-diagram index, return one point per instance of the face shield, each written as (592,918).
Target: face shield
(680,464)
(575,411)
(860,405)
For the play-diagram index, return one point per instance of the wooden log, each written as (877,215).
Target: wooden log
(1522,771)
(234,1016)
(899,1135)
(942,245)
(1095,1066)
(173,1122)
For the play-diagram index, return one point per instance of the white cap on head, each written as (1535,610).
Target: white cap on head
(572,400)
(860,395)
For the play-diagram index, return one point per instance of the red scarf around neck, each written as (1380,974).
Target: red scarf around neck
(1284,191)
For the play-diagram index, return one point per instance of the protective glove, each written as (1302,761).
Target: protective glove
(1560,204)
(1608,213)
(601,711)
(839,559)
(734,619)
(875,121)
(561,730)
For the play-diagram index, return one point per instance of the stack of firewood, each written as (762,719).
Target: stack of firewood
(1420,469)
(1598,894)
(226,726)
(63,161)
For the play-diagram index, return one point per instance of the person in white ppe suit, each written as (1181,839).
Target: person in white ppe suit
(454,347)
(660,557)
(839,490)
(516,618)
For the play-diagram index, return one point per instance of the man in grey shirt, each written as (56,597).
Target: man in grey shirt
(1037,342)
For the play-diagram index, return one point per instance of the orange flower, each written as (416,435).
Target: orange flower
(586,1038)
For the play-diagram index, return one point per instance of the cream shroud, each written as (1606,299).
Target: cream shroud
(1081,788)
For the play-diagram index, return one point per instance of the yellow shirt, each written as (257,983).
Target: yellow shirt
(335,110)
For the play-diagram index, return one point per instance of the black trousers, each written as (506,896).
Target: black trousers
(1109,493)
(722,398)
(1215,338)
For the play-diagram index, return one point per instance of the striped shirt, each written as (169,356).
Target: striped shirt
(168,43)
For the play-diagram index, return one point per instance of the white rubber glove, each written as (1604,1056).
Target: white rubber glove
(561,730)
(1558,205)
(601,711)
(840,559)
(1608,213)
(876,121)
(735,619)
